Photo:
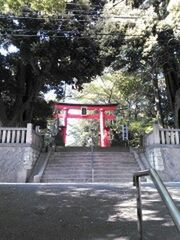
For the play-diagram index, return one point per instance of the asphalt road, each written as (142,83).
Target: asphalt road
(81,212)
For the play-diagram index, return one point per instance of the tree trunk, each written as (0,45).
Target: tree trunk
(3,115)
(29,89)
(157,98)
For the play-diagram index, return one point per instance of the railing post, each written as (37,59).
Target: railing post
(37,128)
(156,133)
(29,136)
(139,206)
(92,161)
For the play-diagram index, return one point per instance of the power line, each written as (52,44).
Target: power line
(67,36)
(53,36)
(46,18)
(56,31)
(39,32)
(73,15)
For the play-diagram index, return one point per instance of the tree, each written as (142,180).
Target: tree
(146,42)
(50,49)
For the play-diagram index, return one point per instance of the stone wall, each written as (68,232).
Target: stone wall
(16,162)
(166,160)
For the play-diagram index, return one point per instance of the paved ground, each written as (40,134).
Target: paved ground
(81,212)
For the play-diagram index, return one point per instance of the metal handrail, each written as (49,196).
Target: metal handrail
(92,162)
(166,197)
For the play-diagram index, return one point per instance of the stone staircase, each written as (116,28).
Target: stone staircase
(73,164)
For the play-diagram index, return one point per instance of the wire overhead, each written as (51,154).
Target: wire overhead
(68,36)
(71,15)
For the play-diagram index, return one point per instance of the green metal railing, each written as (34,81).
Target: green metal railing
(166,197)
(92,160)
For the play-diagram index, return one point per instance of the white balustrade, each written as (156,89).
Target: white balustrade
(13,135)
(27,135)
(162,136)
(169,136)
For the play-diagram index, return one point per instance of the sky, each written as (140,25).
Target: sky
(11,49)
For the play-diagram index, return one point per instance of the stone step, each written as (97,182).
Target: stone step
(73,159)
(66,176)
(67,180)
(123,155)
(111,180)
(96,149)
(113,176)
(63,159)
(88,167)
(100,169)
(71,156)
(111,171)
(69,165)
(87,173)
(113,159)
(89,159)
(105,166)
(114,162)
(101,160)
(115,166)
(72,149)
(106,155)
(62,171)
(71,176)
(86,164)
(87,180)
(94,158)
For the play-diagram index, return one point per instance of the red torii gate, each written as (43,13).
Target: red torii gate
(101,115)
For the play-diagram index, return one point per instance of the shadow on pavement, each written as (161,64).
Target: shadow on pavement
(80,212)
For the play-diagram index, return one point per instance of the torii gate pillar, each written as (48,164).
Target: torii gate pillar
(104,139)
(64,132)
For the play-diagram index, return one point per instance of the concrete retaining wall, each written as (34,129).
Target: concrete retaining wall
(166,160)
(16,162)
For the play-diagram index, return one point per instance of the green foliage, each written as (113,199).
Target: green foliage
(50,7)
(137,131)
(42,111)
(133,96)
(85,133)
